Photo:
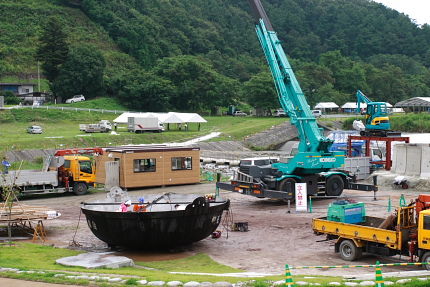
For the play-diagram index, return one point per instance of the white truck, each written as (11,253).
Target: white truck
(102,126)
(145,124)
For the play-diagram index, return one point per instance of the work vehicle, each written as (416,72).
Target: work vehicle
(314,162)
(103,126)
(406,232)
(65,171)
(145,124)
(239,114)
(75,99)
(377,122)
(34,130)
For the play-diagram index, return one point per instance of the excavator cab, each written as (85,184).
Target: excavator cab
(377,116)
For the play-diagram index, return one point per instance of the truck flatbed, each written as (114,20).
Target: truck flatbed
(30,178)
(369,230)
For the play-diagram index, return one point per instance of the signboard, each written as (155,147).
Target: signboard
(301,197)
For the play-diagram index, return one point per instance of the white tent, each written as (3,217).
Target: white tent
(353,105)
(167,118)
(326,105)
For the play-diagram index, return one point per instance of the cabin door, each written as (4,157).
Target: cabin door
(112,174)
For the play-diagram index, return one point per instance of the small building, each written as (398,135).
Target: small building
(148,165)
(18,88)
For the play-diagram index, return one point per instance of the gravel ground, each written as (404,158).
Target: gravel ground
(276,236)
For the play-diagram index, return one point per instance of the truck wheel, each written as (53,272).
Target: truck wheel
(426,258)
(334,185)
(349,251)
(283,186)
(80,188)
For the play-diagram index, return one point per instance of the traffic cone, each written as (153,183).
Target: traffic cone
(379,282)
(288,279)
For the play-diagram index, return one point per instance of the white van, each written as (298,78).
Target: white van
(317,113)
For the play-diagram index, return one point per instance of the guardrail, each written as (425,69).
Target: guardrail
(75,109)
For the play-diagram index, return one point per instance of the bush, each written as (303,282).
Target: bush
(10,98)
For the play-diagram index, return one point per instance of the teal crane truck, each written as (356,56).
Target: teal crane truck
(314,164)
(377,122)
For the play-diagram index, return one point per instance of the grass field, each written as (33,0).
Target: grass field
(61,129)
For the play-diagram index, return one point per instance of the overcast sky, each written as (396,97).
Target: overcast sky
(415,9)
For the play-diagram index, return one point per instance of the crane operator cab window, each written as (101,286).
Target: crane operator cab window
(85,166)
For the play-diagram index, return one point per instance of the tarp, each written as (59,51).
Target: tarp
(326,105)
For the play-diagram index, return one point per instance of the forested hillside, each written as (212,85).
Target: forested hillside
(190,55)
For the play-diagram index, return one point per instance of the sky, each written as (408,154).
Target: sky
(416,9)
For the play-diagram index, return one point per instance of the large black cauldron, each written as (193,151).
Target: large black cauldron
(161,226)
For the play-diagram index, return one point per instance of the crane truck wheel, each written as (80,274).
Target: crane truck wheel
(287,185)
(349,251)
(334,185)
(426,258)
(80,188)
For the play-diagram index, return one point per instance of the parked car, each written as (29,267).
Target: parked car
(279,113)
(75,99)
(317,113)
(239,114)
(34,130)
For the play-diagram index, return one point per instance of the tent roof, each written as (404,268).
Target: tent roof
(350,105)
(326,105)
(167,118)
(414,102)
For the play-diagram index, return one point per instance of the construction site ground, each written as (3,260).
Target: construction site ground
(276,237)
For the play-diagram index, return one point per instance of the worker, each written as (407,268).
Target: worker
(140,207)
(186,127)
(5,165)
(115,125)
(124,206)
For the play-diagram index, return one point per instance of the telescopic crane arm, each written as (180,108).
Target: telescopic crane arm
(292,99)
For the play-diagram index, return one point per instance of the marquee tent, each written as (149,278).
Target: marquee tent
(326,105)
(166,118)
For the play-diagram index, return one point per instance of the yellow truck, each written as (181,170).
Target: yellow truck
(406,232)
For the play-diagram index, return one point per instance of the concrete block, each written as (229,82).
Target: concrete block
(413,159)
(96,260)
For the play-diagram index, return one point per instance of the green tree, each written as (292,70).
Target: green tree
(81,73)
(192,77)
(52,48)
(145,91)
(10,98)
(260,91)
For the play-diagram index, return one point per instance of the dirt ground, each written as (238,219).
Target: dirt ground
(275,238)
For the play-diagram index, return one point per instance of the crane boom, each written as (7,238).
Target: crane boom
(312,141)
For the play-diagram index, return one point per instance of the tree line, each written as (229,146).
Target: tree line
(191,55)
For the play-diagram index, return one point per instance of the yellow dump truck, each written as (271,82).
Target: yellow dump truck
(406,232)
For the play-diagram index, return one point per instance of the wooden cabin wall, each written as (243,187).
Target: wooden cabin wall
(163,174)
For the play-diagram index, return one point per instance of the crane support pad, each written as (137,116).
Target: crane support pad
(362,186)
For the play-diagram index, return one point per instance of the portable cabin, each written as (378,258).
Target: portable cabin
(150,165)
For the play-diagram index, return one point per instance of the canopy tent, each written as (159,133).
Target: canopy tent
(353,105)
(326,105)
(166,118)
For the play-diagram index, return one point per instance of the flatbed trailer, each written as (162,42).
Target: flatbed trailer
(402,233)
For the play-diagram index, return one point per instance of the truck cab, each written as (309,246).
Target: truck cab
(77,172)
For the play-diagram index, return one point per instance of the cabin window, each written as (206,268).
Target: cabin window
(66,164)
(426,222)
(181,163)
(85,166)
(144,165)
